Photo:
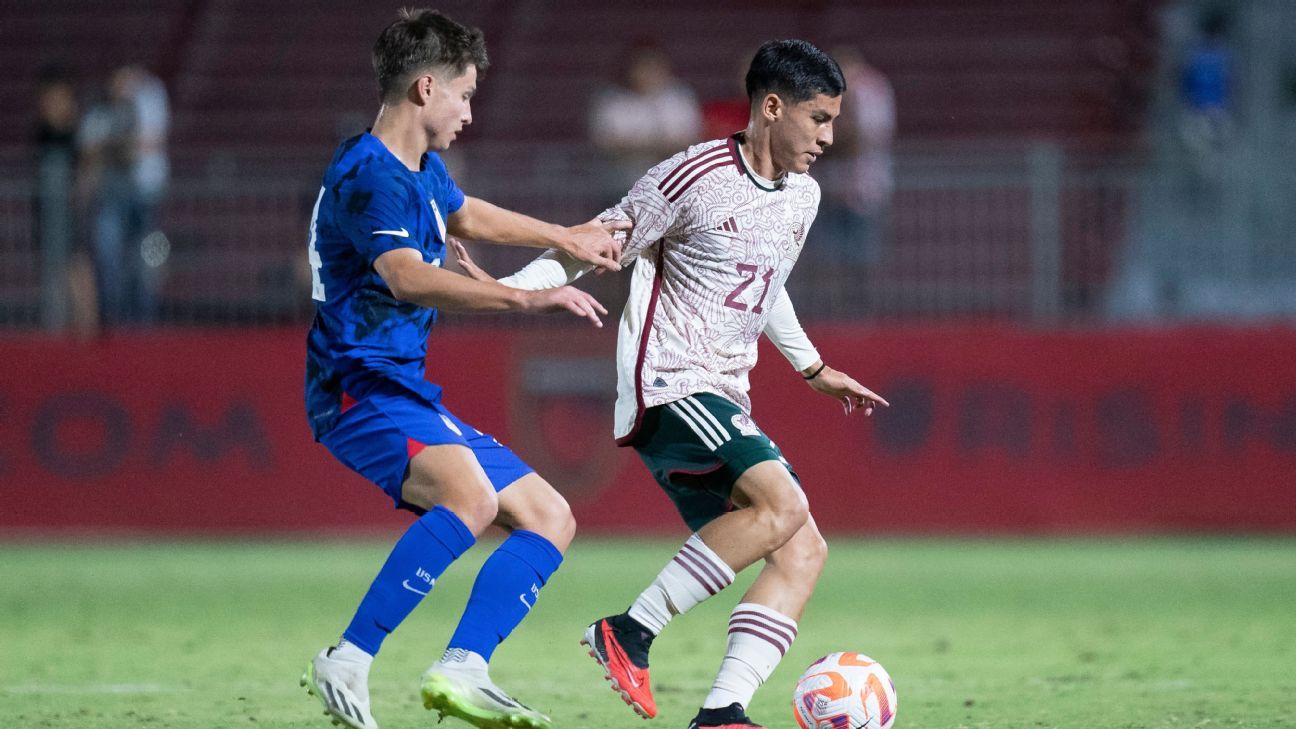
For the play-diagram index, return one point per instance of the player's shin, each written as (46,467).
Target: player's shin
(693,575)
(505,591)
(759,637)
(420,556)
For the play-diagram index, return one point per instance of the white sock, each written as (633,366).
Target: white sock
(461,659)
(351,653)
(758,639)
(695,574)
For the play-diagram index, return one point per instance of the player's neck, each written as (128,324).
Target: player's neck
(401,135)
(755,148)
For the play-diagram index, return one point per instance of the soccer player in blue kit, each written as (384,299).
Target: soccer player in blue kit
(377,242)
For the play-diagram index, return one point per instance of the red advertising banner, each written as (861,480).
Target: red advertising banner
(991,429)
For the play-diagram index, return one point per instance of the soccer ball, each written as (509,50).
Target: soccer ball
(844,691)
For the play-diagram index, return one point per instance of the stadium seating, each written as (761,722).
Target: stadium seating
(262,90)
(272,83)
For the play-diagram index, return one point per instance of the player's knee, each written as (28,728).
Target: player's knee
(554,520)
(803,557)
(793,511)
(475,504)
(481,509)
(812,553)
(783,516)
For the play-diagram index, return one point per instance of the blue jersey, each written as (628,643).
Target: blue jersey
(363,341)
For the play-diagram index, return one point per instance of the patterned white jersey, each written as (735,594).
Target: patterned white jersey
(715,244)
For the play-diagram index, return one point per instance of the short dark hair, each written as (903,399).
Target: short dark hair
(423,40)
(795,70)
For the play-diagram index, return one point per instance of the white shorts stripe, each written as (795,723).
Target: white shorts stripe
(705,419)
(703,436)
(723,430)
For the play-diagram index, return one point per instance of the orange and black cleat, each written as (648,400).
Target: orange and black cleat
(620,645)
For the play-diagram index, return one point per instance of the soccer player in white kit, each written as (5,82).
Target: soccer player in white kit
(716,231)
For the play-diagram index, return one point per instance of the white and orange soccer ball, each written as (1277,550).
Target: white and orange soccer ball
(844,691)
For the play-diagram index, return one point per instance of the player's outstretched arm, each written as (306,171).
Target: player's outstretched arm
(843,388)
(590,242)
(414,281)
(465,261)
(784,330)
(551,270)
(642,218)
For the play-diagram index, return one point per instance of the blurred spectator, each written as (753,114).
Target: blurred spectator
(856,174)
(56,114)
(56,122)
(125,171)
(1206,90)
(650,116)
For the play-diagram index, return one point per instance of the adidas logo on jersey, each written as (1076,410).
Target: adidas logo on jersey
(659,382)
(729,226)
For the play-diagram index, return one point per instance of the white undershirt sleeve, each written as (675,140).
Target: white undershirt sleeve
(652,216)
(550,270)
(784,330)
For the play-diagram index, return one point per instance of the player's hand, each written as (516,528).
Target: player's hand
(465,261)
(566,298)
(593,243)
(843,388)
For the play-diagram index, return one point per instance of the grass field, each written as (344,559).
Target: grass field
(1075,634)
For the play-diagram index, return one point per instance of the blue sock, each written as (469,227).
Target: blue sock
(505,591)
(420,556)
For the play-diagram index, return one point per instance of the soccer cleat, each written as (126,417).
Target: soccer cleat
(466,692)
(622,651)
(730,717)
(343,688)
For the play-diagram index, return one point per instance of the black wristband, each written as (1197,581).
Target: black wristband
(815,374)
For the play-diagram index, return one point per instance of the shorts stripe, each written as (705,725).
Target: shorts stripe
(703,435)
(686,407)
(709,420)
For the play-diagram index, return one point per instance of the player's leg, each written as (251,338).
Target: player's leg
(772,509)
(540,527)
(763,626)
(700,457)
(772,513)
(446,483)
(447,487)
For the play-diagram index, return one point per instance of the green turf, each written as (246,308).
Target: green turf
(1075,634)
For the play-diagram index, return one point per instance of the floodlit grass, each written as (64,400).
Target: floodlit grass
(1022,633)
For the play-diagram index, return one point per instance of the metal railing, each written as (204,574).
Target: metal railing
(1028,235)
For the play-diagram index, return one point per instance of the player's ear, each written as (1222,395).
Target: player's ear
(772,106)
(422,88)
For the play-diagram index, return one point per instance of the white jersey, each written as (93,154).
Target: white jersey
(715,243)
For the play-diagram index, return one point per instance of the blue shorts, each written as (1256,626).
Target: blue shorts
(377,436)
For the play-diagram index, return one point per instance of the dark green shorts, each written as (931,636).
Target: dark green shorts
(697,448)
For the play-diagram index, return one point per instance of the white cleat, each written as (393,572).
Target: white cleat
(458,685)
(342,686)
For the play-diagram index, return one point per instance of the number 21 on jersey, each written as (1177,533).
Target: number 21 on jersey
(748,271)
